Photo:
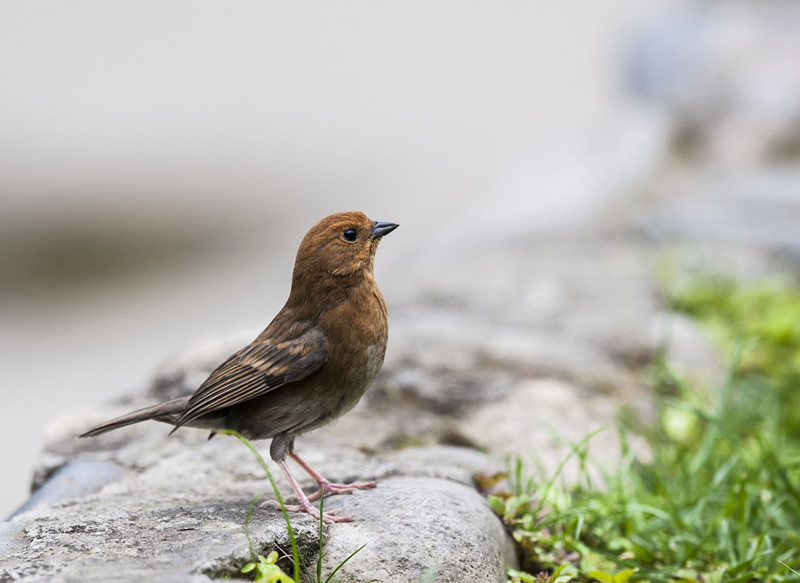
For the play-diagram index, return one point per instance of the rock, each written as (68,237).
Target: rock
(176,509)
(136,542)
(462,531)
(72,479)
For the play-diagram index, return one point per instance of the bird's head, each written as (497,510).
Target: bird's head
(339,246)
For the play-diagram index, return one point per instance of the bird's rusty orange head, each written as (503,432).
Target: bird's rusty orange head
(339,245)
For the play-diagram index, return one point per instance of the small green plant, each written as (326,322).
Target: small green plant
(718,501)
(267,571)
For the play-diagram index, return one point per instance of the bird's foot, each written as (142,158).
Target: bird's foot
(331,489)
(327,517)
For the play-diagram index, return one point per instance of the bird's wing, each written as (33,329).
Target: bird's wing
(256,370)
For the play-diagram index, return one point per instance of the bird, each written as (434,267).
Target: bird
(311,364)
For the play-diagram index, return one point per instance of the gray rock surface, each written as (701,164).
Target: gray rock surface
(176,513)
(462,530)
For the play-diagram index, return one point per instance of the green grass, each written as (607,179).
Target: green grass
(717,499)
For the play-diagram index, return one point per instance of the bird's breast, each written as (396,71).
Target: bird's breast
(357,332)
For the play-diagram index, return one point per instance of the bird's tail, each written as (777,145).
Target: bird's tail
(165,412)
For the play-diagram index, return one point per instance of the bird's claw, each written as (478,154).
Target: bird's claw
(332,489)
(327,517)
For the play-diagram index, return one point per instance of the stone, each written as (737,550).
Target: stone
(461,529)
(175,511)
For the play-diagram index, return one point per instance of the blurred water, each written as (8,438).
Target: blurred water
(159,163)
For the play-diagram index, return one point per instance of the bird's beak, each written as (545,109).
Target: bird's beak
(380,229)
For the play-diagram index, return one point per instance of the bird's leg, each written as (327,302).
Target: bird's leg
(304,504)
(327,486)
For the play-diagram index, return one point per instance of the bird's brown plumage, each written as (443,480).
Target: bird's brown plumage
(312,363)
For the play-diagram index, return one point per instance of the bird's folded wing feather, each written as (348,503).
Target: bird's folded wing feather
(254,371)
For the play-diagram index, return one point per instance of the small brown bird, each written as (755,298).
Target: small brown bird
(312,363)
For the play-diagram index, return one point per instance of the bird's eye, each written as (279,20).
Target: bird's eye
(350,235)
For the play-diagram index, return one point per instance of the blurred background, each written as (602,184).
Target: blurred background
(160,162)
